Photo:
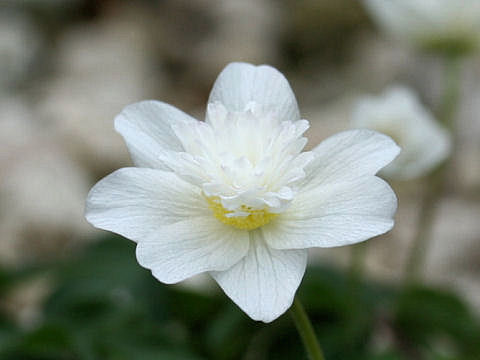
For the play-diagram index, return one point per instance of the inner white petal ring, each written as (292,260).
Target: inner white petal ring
(248,163)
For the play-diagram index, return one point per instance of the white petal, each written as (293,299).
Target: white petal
(240,84)
(349,155)
(181,250)
(335,215)
(263,284)
(135,202)
(146,128)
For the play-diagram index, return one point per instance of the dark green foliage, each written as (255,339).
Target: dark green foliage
(427,317)
(105,306)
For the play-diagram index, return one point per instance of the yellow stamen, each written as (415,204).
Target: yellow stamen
(255,219)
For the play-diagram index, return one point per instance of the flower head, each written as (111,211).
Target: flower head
(449,26)
(398,113)
(235,195)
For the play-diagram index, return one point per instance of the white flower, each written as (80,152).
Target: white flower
(442,25)
(399,114)
(235,196)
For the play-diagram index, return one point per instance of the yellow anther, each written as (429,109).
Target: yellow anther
(255,219)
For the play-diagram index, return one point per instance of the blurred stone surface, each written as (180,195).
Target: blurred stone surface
(246,30)
(454,252)
(42,189)
(101,68)
(20,42)
(327,119)
(17,128)
(377,63)
(43,194)
(198,38)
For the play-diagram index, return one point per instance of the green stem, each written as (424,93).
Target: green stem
(435,182)
(418,251)
(451,93)
(305,329)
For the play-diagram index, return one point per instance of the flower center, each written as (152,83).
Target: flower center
(249,219)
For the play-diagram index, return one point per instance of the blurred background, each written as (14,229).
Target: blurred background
(69,291)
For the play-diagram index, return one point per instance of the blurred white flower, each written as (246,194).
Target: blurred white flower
(398,113)
(439,25)
(235,196)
